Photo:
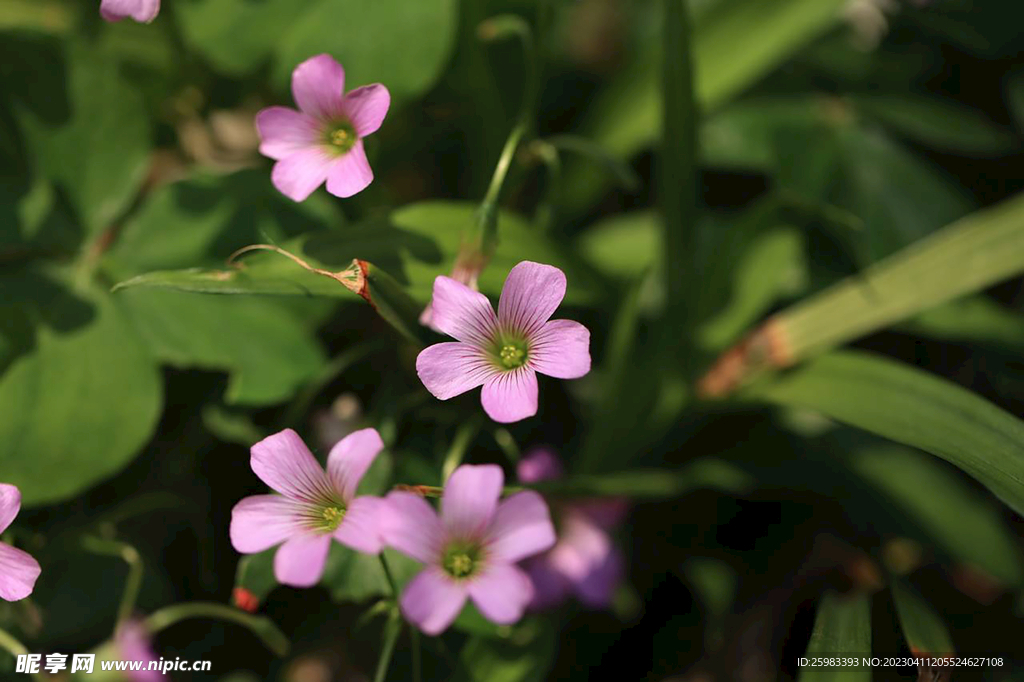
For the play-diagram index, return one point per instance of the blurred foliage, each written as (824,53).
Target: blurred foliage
(734,193)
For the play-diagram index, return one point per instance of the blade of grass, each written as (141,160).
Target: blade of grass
(966,256)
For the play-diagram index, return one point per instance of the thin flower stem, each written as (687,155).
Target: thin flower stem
(261,626)
(11,643)
(463,437)
(508,444)
(480,247)
(391,632)
(414,634)
(390,576)
(133,583)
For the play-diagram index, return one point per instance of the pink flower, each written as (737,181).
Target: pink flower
(18,570)
(313,506)
(503,352)
(470,550)
(143,11)
(324,139)
(584,560)
(132,643)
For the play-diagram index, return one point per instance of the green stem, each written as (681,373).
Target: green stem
(414,634)
(133,583)
(463,437)
(391,632)
(261,626)
(10,643)
(390,577)
(477,250)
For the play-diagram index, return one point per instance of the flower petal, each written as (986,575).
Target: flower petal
(18,573)
(10,504)
(511,396)
(431,600)
(298,174)
(411,526)
(283,462)
(462,313)
(360,529)
(452,368)
(582,546)
(502,593)
(531,293)
(284,131)
(470,499)
(561,349)
(133,643)
(350,458)
(522,527)
(300,561)
(143,11)
(549,586)
(597,588)
(366,108)
(351,173)
(318,86)
(262,521)
(539,464)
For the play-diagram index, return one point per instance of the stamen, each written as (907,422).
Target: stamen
(332,518)
(512,355)
(461,560)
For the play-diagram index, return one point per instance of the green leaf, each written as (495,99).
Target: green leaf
(678,178)
(236,36)
(971,254)
(260,343)
(82,398)
(525,655)
(400,44)
(841,628)
(707,472)
(941,507)
(100,154)
(817,148)
(255,574)
(267,348)
(976,320)
(912,407)
(936,122)
(414,244)
(923,629)
(736,42)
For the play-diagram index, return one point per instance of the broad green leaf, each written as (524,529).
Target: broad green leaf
(945,508)
(260,343)
(736,42)
(254,577)
(970,254)
(842,628)
(237,36)
(526,655)
(80,401)
(745,263)
(100,154)
(400,44)
(203,219)
(414,244)
(936,122)
(817,148)
(267,348)
(924,630)
(913,407)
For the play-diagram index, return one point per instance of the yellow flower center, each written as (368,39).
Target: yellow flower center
(512,355)
(341,137)
(332,517)
(461,560)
